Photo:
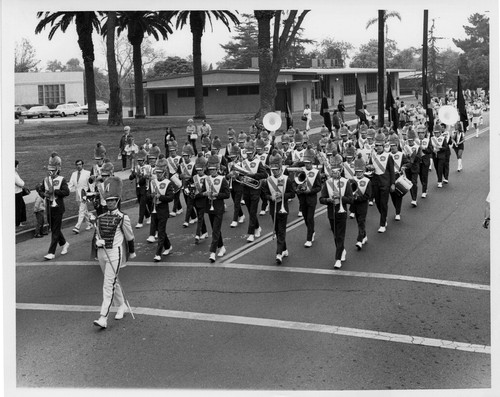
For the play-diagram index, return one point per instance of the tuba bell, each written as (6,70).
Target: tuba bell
(448,114)
(271,121)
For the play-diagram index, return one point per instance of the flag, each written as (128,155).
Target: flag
(390,104)
(360,112)
(428,108)
(288,113)
(461,105)
(325,112)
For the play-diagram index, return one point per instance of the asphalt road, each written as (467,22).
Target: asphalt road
(409,311)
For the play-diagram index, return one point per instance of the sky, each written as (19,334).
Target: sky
(340,20)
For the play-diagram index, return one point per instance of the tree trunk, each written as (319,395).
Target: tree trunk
(197,23)
(381,67)
(139,91)
(84,30)
(267,78)
(115,100)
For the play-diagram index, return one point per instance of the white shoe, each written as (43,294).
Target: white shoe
(212,257)
(49,257)
(365,240)
(381,229)
(192,221)
(65,248)
(157,258)
(156,236)
(151,239)
(414,203)
(440,184)
(233,224)
(351,215)
(299,214)
(167,251)
(308,244)
(359,245)
(196,239)
(242,202)
(185,224)
(262,213)
(424,195)
(338,264)
(76,230)
(344,253)
(257,232)
(397,217)
(204,236)
(179,211)
(279,259)
(251,238)
(102,322)
(370,202)
(284,253)
(241,219)
(88,227)
(120,312)
(173,214)
(148,221)
(222,251)
(138,226)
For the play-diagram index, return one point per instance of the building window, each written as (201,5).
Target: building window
(189,92)
(349,84)
(243,90)
(51,94)
(371,82)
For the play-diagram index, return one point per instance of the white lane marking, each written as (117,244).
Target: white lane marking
(274,268)
(266,322)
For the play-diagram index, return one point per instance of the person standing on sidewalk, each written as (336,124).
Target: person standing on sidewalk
(121,146)
(39,211)
(55,188)
(80,180)
(308,117)
(20,204)
(341,109)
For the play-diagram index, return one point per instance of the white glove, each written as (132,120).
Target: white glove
(100,243)
(132,255)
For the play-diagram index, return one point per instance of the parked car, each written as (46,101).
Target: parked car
(76,105)
(36,111)
(102,107)
(18,110)
(64,110)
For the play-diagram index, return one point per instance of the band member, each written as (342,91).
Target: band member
(255,171)
(337,193)
(457,140)
(79,181)
(173,170)
(95,172)
(97,195)
(200,200)
(307,191)
(55,188)
(414,156)
(400,162)
(447,143)
(427,151)
(186,167)
(235,186)
(278,190)
(162,192)
(216,190)
(439,154)
(361,195)
(142,174)
(298,151)
(348,167)
(114,242)
(383,179)
(264,159)
(476,118)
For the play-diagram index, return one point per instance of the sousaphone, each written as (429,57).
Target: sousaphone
(448,114)
(271,121)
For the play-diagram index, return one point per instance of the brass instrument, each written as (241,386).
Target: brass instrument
(341,209)
(243,177)
(282,210)
(176,181)
(210,188)
(155,197)
(300,179)
(52,197)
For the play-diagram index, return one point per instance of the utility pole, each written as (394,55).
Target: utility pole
(381,66)
(424,60)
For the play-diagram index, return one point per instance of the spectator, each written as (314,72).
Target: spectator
(20,204)
(123,143)
(39,211)
(205,129)
(169,136)
(307,116)
(131,150)
(341,109)
(192,135)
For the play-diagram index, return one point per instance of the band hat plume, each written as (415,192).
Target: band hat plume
(142,154)
(99,151)
(54,162)
(200,162)
(275,160)
(359,163)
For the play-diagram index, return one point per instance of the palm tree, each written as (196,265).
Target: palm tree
(115,99)
(387,15)
(197,21)
(137,24)
(85,22)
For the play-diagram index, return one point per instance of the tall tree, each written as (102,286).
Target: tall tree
(73,65)
(367,56)
(197,22)
(330,48)
(137,24)
(170,66)
(86,22)
(271,60)
(243,47)
(25,57)
(55,66)
(115,97)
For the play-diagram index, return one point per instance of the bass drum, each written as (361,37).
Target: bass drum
(403,185)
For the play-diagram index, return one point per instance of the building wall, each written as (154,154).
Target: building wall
(297,93)
(26,85)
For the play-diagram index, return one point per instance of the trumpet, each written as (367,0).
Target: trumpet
(52,197)
(210,189)
(155,198)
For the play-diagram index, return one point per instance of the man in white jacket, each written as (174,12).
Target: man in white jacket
(80,180)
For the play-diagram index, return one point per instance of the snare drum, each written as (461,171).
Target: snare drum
(403,185)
